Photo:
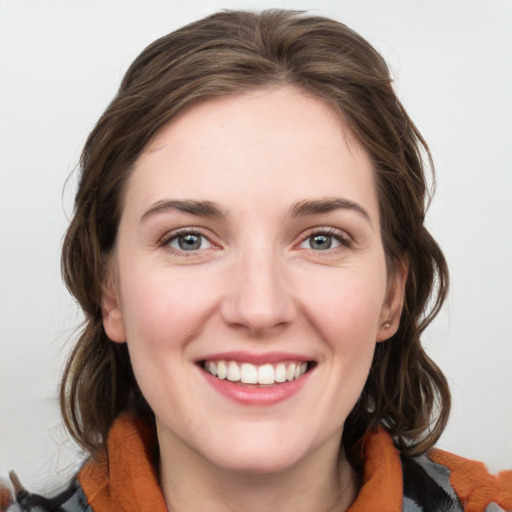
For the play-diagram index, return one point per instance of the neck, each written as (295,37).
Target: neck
(325,482)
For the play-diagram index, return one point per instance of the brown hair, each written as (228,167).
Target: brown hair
(231,52)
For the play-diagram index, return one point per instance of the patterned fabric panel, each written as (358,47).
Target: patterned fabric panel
(427,487)
(494,507)
(71,499)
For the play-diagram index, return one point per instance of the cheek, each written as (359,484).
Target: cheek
(165,310)
(163,313)
(344,311)
(346,308)
(161,310)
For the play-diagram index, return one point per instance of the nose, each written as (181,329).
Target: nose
(258,297)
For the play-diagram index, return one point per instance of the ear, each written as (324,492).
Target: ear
(392,308)
(113,321)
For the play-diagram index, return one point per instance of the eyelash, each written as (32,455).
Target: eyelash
(339,236)
(166,240)
(345,242)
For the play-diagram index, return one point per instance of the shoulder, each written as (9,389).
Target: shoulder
(446,482)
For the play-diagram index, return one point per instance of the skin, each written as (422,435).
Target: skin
(259,283)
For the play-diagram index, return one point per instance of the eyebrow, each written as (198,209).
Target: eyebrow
(200,208)
(317,207)
(213,210)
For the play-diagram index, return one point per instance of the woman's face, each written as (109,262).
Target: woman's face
(249,280)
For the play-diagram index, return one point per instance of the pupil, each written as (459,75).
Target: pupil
(189,242)
(321,242)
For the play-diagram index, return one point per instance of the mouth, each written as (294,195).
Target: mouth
(248,374)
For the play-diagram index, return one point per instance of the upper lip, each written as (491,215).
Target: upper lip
(256,359)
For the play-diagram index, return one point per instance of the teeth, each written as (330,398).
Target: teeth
(290,373)
(222,370)
(233,372)
(280,373)
(266,374)
(247,373)
(212,368)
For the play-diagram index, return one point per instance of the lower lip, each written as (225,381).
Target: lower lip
(254,395)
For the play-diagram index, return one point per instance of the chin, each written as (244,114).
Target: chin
(257,461)
(263,452)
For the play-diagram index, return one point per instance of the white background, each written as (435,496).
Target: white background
(61,62)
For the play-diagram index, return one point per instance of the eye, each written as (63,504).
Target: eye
(188,241)
(323,241)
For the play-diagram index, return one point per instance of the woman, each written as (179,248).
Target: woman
(249,250)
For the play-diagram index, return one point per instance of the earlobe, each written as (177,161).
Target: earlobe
(395,296)
(113,321)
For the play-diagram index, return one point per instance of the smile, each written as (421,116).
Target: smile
(247,373)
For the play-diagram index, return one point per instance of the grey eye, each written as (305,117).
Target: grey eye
(321,242)
(189,242)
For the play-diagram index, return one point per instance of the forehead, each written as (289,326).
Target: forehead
(273,108)
(275,143)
